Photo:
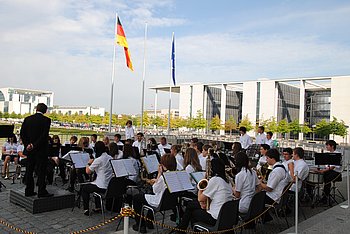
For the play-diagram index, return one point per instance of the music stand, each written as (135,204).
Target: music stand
(328,159)
(136,152)
(166,150)
(6,131)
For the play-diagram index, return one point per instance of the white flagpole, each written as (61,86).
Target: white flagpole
(143,78)
(113,72)
(171,67)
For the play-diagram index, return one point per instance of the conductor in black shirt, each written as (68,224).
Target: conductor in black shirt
(34,133)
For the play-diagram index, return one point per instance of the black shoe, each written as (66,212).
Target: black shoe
(45,195)
(135,227)
(86,212)
(30,194)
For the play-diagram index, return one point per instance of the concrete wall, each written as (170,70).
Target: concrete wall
(249,100)
(267,99)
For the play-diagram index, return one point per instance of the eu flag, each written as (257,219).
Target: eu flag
(173,59)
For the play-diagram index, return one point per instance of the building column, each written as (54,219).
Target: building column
(301,107)
(223,107)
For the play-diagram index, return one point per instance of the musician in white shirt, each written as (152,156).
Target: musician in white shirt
(244,138)
(138,142)
(261,137)
(262,160)
(93,141)
(203,156)
(117,138)
(175,151)
(288,160)
(163,145)
(300,166)
(129,130)
(269,139)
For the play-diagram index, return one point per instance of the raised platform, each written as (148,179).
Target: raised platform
(62,199)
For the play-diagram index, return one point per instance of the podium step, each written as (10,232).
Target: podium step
(62,199)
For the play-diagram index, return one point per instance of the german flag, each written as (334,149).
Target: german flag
(121,40)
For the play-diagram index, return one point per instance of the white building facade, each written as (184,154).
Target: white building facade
(308,100)
(80,110)
(23,101)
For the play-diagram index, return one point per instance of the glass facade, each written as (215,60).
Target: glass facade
(317,106)
(288,102)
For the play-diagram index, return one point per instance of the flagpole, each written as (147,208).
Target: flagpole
(143,78)
(171,76)
(112,83)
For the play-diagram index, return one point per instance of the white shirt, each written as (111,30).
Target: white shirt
(269,142)
(103,169)
(302,168)
(137,144)
(245,183)
(219,193)
(20,148)
(119,143)
(261,162)
(336,167)
(203,162)
(158,189)
(260,139)
(179,162)
(286,163)
(10,147)
(92,145)
(278,179)
(129,132)
(162,147)
(245,141)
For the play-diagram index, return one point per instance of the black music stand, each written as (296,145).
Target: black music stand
(5,132)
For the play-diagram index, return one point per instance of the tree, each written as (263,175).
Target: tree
(1,114)
(323,128)
(283,126)
(294,126)
(146,119)
(13,115)
(215,123)
(245,122)
(270,124)
(6,115)
(230,124)
(198,122)
(338,127)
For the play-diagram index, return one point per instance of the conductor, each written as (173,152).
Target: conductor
(34,134)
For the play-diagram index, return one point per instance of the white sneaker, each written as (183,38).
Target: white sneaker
(6,178)
(19,176)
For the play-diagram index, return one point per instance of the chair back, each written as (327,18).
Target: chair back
(257,206)
(228,215)
(284,198)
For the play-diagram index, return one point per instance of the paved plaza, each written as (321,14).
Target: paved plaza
(67,221)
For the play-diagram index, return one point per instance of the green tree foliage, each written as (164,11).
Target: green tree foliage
(13,115)
(246,123)
(283,126)
(270,124)
(6,115)
(294,127)
(230,124)
(215,123)
(198,122)
(1,114)
(338,127)
(323,128)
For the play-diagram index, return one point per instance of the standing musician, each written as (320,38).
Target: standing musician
(278,179)
(103,169)
(246,182)
(167,163)
(331,172)
(218,192)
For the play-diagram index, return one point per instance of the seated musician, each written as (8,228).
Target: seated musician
(117,138)
(191,161)
(103,169)
(246,182)
(9,153)
(262,160)
(138,142)
(114,151)
(203,156)
(163,145)
(22,157)
(72,141)
(106,140)
(288,160)
(152,147)
(330,172)
(167,163)
(300,166)
(175,151)
(55,160)
(278,179)
(218,192)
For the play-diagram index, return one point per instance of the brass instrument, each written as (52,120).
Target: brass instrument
(263,172)
(203,183)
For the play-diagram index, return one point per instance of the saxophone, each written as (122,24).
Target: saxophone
(203,183)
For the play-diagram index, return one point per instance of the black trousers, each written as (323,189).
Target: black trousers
(38,163)
(328,177)
(138,201)
(194,213)
(77,173)
(85,193)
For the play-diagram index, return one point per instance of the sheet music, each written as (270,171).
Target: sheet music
(119,168)
(184,179)
(172,182)
(197,176)
(80,160)
(151,163)
(129,165)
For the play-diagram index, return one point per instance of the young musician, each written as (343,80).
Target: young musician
(262,160)
(260,137)
(278,179)
(288,160)
(244,138)
(103,169)
(167,163)
(93,141)
(175,151)
(331,172)
(9,153)
(203,156)
(246,182)
(163,145)
(129,130)
(300,166)
(117,138)
(218,192)
(191,161)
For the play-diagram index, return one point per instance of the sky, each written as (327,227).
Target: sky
(67,46)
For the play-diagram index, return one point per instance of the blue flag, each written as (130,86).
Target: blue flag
(173,59)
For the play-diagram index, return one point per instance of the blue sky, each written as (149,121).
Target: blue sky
(67,46)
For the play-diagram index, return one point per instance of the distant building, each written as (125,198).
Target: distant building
(174,113)
(22,101)
(307,100)
(80,110)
